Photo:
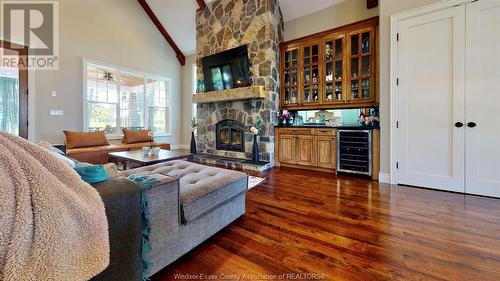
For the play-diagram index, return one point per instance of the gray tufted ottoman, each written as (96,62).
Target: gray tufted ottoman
(193,205)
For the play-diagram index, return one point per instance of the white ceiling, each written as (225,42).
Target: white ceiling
(178,17)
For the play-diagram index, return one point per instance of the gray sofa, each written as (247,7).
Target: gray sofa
(190,204)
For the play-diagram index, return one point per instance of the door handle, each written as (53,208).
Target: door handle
(459,124)
(471,124)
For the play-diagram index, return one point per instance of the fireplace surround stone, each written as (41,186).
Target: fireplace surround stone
(226,24)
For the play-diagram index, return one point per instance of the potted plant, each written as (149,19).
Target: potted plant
(154,148)
(286,118)
(194,125)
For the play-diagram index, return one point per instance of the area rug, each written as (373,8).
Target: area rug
(254,181)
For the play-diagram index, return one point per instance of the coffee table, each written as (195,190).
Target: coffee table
(138,157)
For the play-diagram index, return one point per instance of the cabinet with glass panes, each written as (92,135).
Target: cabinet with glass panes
(361,65)
(331,69)
(311,87)
(289,80)
(334,65)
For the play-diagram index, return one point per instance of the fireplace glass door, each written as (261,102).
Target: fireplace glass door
(230,136)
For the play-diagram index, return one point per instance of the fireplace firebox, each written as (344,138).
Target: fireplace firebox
(230,135)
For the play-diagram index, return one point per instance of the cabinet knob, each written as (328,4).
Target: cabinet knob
(471,124)
(459,124)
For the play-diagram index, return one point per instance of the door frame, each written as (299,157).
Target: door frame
(23,86)
(393,92)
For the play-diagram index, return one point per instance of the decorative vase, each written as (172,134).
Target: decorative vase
(193,143)
(255,150)
(156,150)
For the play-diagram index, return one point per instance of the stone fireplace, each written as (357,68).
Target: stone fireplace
(224,25)
(230,136)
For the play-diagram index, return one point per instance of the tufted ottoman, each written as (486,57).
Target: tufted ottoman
(202,188)
(197,202)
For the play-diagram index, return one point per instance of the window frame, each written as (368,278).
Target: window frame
(123,70)
(194,109)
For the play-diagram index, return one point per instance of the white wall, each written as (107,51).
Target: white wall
(187,93)
(344,13)
(117,32)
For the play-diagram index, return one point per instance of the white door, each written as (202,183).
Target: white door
(431,99)
(483,98)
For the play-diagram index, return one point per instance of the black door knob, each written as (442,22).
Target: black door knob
(459,124)
(471,124)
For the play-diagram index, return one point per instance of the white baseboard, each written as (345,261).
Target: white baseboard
(180,146)
(384,177)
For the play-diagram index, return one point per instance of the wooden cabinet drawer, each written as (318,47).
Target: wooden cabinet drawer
(296,131)
(325,132)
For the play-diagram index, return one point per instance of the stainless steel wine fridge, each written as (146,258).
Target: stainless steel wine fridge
(354,151)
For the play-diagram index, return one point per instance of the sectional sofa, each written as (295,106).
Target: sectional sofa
(189,204)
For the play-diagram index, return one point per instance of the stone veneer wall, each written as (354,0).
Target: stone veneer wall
(226,24)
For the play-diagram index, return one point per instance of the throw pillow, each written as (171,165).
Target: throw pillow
(112,170)
(66,160)
(136,136)
(91,173)
(45,144)
(85,139)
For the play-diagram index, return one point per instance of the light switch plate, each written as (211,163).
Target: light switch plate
(56,112)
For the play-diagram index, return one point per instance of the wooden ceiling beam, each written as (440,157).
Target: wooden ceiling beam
(201,4)
(178,53)
(371,4)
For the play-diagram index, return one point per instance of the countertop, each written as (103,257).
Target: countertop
(330,127)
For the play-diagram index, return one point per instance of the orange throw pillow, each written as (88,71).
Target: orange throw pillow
(136,136)
(85,139)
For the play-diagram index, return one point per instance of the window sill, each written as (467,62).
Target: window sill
(120,136)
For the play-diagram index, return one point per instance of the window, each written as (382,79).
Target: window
(195,85)
(117,99)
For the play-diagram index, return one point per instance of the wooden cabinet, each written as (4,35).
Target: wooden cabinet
(306,150)
(334,70)
(326,152)
(290,77)
(316,149)
(287,149)
(310,86)
(306,147)
(331,69)
(361,66)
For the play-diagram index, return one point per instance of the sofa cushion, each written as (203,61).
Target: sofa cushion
(136,136)
(202,188)
(102,148)
(85,139)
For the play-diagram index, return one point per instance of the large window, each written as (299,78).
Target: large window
(195,85)
(117,99)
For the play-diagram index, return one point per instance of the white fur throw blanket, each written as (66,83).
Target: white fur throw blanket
(52,224)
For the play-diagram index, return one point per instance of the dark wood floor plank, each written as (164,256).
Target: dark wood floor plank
(352,229)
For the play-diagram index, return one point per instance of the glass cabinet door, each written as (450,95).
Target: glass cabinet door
(334,70)
(290,77)
(310,65)
(361,76)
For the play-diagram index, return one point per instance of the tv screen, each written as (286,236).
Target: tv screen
(226,70)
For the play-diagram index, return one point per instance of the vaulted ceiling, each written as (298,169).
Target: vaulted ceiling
(178,17)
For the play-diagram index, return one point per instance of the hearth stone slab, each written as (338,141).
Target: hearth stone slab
(230,162)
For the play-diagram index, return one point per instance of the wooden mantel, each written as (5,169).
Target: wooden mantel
(245,93)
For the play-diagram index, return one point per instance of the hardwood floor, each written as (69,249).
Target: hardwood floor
(351,229)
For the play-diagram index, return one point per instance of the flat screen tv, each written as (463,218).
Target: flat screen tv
(226,70)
